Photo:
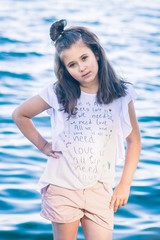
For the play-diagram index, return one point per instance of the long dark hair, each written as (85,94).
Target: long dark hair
(67,88)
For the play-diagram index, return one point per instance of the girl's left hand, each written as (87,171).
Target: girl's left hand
(120,196)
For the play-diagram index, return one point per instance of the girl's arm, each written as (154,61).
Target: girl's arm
(121,192)
(22,116)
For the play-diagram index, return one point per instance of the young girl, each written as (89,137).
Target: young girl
(91,112)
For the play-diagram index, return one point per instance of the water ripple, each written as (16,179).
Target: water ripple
(130,37)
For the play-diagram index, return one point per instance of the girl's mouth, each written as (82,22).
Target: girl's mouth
(86,75)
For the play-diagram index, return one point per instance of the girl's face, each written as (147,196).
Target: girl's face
(82,65)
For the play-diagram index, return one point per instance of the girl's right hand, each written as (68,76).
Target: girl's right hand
(47,150)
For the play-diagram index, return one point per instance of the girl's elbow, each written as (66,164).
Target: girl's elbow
(134,142)
(134,139)
(16,115)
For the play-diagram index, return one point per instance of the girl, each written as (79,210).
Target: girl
(91,112)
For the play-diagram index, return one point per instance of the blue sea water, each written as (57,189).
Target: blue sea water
(130,34)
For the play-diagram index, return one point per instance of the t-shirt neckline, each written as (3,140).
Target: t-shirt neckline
(88,94)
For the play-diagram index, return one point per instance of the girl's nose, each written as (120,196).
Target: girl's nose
(81,67)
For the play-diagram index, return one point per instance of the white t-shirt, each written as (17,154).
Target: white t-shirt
(91,142)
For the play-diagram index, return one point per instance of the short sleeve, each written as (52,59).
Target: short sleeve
(124,116)
(49,96)
(125,126)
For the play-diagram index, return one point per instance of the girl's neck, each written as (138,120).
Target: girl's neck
(90,90)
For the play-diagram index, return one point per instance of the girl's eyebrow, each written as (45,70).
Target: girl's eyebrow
(84,54)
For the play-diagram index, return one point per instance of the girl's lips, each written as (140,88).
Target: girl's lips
(86,75)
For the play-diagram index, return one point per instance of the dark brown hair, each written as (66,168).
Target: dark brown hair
(67,88)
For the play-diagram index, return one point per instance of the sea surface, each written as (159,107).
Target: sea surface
(129,31)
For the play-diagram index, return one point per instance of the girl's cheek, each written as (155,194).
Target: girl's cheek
(74,75)
(94,65)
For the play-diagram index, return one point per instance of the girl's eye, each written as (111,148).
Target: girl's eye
(84,58)
(71,65)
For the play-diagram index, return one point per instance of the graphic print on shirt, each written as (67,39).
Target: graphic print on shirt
(85,139)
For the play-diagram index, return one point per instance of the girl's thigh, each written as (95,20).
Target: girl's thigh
(65,231)
(93,231)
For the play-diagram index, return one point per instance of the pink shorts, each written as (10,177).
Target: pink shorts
(63,205)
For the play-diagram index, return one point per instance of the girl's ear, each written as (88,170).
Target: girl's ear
(97,57)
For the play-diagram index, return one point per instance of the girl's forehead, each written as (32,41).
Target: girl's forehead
(76,50)
(79,43)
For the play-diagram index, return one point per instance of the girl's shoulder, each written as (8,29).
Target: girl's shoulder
(49,90)
(49,95)
(130,91)
(51,87)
